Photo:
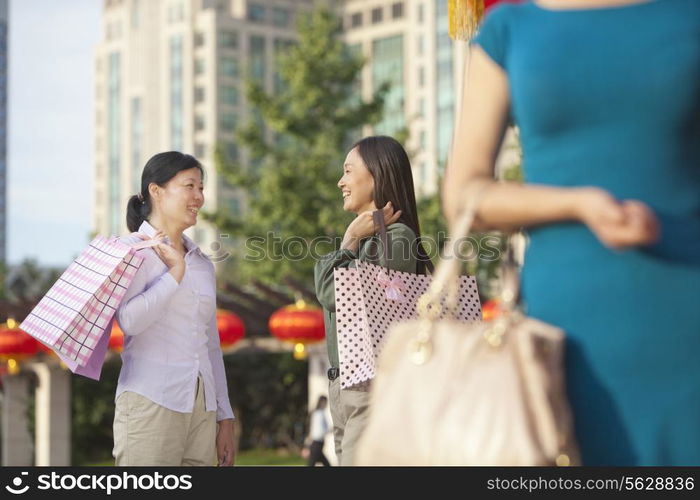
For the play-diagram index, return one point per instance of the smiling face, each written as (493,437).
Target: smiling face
(179,202)
(356,184)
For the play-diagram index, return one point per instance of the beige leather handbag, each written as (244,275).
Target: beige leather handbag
(455,393)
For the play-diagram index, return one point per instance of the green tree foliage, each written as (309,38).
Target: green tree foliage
(269,393)
(291,185)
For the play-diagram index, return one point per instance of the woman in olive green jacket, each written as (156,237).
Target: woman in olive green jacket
(376,173)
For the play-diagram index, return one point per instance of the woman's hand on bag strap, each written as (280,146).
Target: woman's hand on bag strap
(169,255)
(363,226)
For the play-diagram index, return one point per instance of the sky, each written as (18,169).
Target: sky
(50,128)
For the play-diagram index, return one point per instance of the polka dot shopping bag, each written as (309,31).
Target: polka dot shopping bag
(370,298)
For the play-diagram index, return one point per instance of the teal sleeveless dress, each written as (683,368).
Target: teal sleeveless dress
(610,97)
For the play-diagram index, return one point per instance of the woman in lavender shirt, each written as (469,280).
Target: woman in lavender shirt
(172,405)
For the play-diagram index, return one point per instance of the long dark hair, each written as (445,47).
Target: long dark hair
(159,169)
(387,161)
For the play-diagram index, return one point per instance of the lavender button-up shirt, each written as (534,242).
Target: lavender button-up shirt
(170,333)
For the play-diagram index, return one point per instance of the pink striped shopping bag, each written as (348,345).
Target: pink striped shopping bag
(78,309)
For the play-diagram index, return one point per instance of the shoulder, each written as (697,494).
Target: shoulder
(400,229)
(494,34)
(501,13)
(207,260)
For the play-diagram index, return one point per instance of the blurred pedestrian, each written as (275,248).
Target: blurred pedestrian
(318,429)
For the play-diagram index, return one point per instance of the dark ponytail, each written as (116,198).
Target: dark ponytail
(159,170)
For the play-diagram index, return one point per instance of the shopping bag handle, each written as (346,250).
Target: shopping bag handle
(138,246)
(145,244)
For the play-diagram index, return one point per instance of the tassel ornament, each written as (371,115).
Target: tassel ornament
(464,17)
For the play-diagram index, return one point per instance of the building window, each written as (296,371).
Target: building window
(229,67)
(421,13)
(388,67)
(256,13)
(445,84)
(176,13)
(199,123)
(136,136)
(198,66)
(377,15)
(233,205)
(397,10)
(199,94)
(228,122)
(421,141)
(114,120)
(228,39)
(356,20)
(176,107)
(281,47)
(280,17)
(200,150)
(421,45)
(198,39)
(135,14)
(421,107)
(231,151)
(229,95)
(257,58)
(421,76)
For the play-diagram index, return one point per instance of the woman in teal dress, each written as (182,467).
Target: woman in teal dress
(606,94)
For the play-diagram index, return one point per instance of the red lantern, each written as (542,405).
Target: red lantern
(116,338)
(491,309)
(15,345)
(298,323)
(230,326)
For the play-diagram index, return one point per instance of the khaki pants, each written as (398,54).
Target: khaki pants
(349,412)
(146,433)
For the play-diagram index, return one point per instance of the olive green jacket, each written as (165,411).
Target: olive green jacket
(403,251)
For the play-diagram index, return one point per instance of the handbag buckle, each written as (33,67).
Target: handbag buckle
(421,348)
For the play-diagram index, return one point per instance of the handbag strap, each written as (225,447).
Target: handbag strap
(445,283)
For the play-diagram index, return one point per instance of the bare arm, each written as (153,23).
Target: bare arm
(507,206)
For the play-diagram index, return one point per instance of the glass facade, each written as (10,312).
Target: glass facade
(114,120)
(257,58)
(256,12)
(280,17)
(281,46)
(388,67)
(228,122)
(445,86)
(3,138)
(229,95)
(229,67)
(176,111)
(228,39)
